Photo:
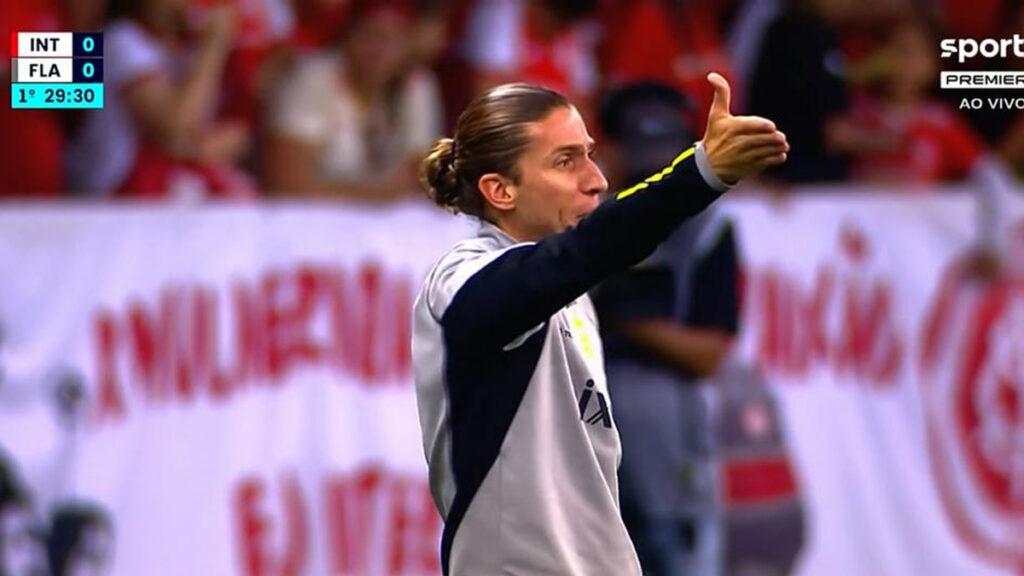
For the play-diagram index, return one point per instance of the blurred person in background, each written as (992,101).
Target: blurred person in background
(32,140)
(1004,127)
(552,43)
(260,54)
(980,19)
(746,31)
(22,551)
(84,15)
(674,42)
(903,133)
(81,541)
(353,122)
(453,67)
(429,37)
(975,18)
(667,324)
(158,134)
(799,82)
(316,23)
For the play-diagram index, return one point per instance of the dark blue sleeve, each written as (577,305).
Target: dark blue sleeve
(641,293)
(526,285)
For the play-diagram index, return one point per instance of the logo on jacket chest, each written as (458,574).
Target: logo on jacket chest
(594,407)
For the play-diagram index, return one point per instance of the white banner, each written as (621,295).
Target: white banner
(231,386)
(249,406)
(841,293)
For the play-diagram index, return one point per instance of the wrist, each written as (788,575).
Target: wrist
(708,172)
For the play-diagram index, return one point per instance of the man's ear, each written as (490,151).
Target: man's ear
(498,191)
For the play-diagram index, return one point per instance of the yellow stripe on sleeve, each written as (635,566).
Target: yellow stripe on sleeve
(656,177)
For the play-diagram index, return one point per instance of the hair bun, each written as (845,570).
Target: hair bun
(437,173)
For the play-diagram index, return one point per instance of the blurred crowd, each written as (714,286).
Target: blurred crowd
(242,100)
(249,99)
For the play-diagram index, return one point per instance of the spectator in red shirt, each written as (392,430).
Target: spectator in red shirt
(675,42)
(1005,127)
(158,134)
(317,22)
(548,42)
(260,53)
(31,140)
(905,135)
(974,18)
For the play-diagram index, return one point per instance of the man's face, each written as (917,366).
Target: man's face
(559,182)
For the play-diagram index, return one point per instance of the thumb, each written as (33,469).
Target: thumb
(723,96)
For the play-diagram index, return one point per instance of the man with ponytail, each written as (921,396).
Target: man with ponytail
(518,432)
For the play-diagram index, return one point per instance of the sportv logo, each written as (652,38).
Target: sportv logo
(966,48)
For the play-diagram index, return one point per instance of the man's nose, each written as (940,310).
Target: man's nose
(594,181)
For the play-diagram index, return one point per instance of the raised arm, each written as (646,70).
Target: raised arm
(526,284)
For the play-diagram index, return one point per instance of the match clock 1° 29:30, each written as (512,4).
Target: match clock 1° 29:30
(58,96)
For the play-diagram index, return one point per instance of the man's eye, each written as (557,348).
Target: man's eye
(565,162)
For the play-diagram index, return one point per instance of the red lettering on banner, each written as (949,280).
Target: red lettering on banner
(201,342)
(251,336)
(767,286)
(252,525)
(793,328)
(377,522)
(816,313)
(110,404)
(936,325)
(184,345)
(413,518)
(296,555)
(402,309)
(870,346)
(255,527)
(196,353)
(377,519)
(208,321)
(369,282)
(350,509)
(291,300)
(273,289)
(149,341)
(344,339)
(204,328)
(843,321)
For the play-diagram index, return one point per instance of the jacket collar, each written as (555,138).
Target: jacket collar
(489,230)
